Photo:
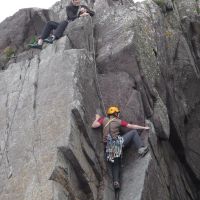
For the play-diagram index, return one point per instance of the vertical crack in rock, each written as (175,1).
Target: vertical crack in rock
(36,88)
(180,151)
(60,175)
(36,136)
(7,167)
(82,128)
(12,118)
(151,141)
(93,52)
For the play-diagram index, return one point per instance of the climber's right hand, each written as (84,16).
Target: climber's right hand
(97,116)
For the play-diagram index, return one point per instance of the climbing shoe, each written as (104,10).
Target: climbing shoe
(143,150)
(116,185)
(35,46)
(49,40)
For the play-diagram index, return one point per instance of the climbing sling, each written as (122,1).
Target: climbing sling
(114,145)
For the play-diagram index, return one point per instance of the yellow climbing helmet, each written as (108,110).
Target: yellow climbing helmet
(113,109)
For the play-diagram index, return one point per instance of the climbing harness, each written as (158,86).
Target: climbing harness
(114,147)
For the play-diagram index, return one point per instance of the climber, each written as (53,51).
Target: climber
(114,141)
(74,10)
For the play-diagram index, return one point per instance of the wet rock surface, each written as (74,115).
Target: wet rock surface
(136,55)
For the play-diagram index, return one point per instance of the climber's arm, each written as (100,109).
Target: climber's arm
(70,15)
(96,122)
(134,126)
(90,12)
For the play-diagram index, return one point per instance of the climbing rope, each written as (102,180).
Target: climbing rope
(96,76)
(95,70)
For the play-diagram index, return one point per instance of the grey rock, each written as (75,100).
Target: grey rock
(20,29)
(186,8)
(147,47)
(27,107)
(114,86)
(165,5)
(147,62)
(80,34)
(161,120)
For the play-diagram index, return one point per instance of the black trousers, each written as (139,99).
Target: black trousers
(131,136)
(115,167)
(51,25)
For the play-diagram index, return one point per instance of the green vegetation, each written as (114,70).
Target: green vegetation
(160,3)
(168,34)
(33,40)
(9,52)
(197,8)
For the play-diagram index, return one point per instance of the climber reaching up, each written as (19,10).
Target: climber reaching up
(74,10)
(114,141)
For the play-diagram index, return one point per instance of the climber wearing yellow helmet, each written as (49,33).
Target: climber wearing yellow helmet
(114,141)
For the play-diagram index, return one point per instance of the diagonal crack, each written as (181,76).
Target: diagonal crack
(9,129)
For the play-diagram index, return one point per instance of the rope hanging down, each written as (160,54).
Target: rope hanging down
(95,68)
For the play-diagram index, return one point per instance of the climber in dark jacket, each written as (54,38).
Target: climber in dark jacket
(74,10)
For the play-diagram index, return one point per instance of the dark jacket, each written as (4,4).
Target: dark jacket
(72,11)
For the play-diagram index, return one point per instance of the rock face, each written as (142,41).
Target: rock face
(143,57)
(57,92)
(20,29)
